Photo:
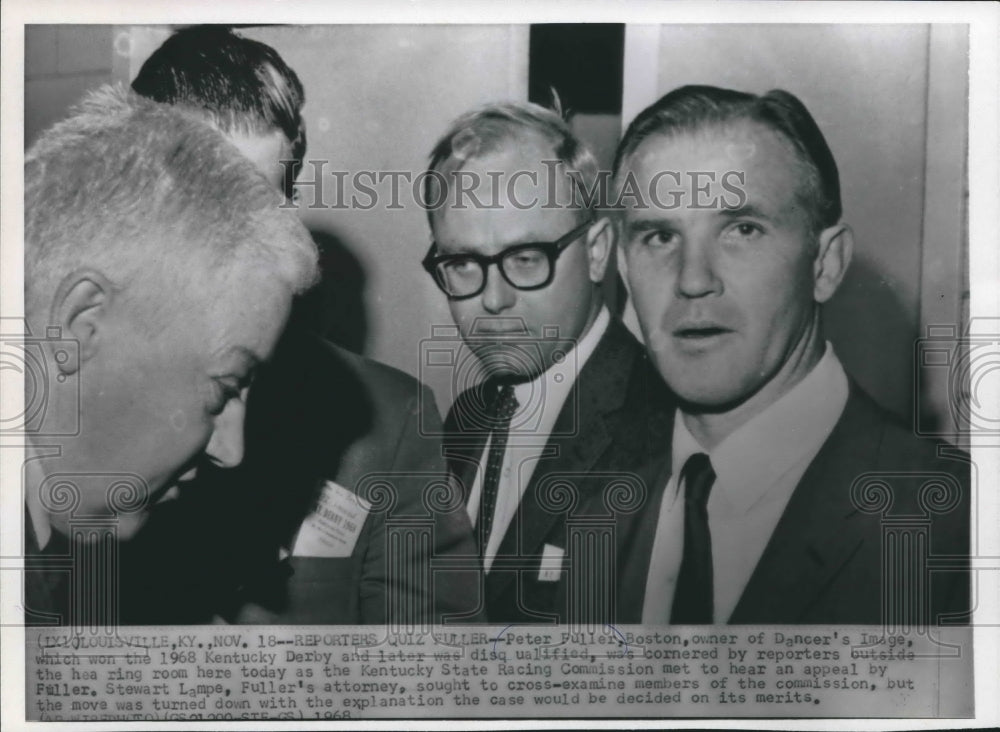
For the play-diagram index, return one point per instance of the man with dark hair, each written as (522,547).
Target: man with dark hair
(243,86)
(561,416)
(337,468)
(792,490)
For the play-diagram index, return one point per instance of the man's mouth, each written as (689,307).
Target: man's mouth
(501,334)
(171,490)
(188,476)
(499,328)
(700,331)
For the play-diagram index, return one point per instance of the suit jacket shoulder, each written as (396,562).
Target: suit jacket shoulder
(376,431)
(853,544)
(317,413)
(395,415)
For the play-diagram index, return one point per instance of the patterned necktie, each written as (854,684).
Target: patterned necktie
(503,409)
(693,604)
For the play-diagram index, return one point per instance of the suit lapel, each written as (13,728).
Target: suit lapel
(637,530)
(463,447)
(819,529)
(584,431)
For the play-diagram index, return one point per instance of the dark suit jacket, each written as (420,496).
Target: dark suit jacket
(869,490)
(610,440)
(318,413)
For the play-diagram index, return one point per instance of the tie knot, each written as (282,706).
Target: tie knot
(698,478)
(506,403)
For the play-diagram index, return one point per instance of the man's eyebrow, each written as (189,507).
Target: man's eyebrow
(747,210)
(459,250)
(642,225)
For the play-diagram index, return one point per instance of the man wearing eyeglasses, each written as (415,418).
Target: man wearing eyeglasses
(567,418)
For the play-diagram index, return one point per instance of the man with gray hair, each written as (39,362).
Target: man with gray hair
(561,413)
(160,268)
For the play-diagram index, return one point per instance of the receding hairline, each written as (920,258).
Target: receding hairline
(807,188)
(511,144)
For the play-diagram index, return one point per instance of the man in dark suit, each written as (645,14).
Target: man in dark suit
(139,372)
(560,417)
(337,470)
(794,498)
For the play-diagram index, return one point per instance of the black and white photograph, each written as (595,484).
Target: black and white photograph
(446,364)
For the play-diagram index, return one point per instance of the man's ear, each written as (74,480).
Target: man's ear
(621,258)
(836,245)
(600,244)
(80,309)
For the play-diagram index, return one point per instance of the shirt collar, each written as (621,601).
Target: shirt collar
(755,456)
(552,386)
(33,479)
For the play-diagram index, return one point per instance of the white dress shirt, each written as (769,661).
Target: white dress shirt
(757,468)
(32,484)
(539,403)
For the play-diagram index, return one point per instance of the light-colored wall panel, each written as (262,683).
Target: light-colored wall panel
(61,63)
(378,98)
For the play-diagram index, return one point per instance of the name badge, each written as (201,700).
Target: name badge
(551,566)
(332,529)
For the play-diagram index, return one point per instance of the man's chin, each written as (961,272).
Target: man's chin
(126,526)
(710,398)
(513,364)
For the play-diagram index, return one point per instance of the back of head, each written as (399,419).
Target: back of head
(689,109)
(160,203)
(496,127)
(244,85)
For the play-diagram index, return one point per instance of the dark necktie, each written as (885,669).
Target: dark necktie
(693,595)
(503,409)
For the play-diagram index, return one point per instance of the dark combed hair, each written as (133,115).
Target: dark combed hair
(243,85)
(690,108)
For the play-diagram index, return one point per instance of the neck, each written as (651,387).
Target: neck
(596,302)
(710,428)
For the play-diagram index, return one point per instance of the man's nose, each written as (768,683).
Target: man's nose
(225,447)
(697,276)
(498,294)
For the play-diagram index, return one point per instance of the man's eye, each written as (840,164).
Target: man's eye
(659,239)
(744,231)
(528,259)
(225,391)
(462,266)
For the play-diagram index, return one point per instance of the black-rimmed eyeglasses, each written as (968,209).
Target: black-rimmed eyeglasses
(529,266)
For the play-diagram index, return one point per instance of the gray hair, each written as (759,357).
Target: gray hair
(160,203)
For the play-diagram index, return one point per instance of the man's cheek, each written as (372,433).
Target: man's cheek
(464,314)
(651,307)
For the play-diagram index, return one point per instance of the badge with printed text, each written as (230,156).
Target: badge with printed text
(331,530)
(551,565)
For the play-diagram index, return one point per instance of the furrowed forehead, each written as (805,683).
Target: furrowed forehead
(741,149)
